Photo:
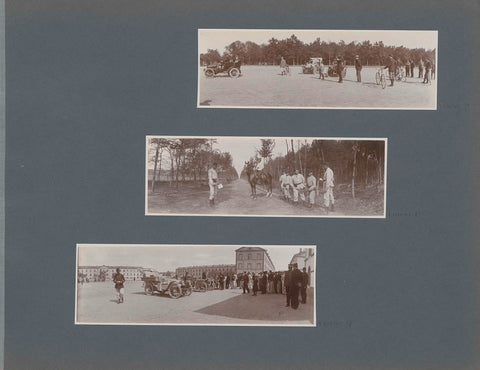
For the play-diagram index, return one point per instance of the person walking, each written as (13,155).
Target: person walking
(119,279)
(312,188)
(296,285)
(298,187)
(303,290)
(245,283)
(358,68)
(329,182)
(212,183)
(392,68)
(255,284)
(288,283)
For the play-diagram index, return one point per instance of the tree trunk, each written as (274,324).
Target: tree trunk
(155,168)
(354,169)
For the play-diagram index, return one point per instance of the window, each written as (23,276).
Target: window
(259,266)
(240,256)
(259,255)
(240,265)
(249,266)
(249,256)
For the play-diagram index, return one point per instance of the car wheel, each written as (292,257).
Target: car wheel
(148,290)
(209,73)
(234,72)
(175,292)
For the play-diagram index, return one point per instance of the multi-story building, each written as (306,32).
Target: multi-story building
(105,273)
(306,258)
(209,270)
(253,259)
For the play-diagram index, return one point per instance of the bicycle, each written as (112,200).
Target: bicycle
(380,78)
(400,75)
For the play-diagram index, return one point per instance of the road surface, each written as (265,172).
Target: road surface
(97,303)
(263,86)
(235,199)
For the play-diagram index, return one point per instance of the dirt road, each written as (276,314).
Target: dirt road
(97,303)
(263,86)
(234,199)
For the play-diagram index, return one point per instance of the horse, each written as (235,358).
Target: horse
(256,177)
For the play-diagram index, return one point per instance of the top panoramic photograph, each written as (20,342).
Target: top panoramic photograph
(317,69)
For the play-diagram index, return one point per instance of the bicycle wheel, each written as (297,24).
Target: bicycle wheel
(383,81)
(377,78)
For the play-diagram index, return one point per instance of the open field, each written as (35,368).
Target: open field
(234,199)
(264,86)
(96,303)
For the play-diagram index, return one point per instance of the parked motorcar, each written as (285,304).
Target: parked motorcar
(231,68)
(174,288)
(312,65)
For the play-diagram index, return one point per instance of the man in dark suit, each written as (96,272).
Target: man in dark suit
(412,66)
(288,283)
(358,68)
(303,290)
(392,67)
(296,285)
(340,66)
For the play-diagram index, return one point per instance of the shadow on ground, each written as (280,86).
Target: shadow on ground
(267,307)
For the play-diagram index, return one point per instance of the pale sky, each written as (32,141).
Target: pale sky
(242,148)
(169,257)
(219,38)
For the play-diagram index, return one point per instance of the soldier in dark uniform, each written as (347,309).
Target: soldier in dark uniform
(407,68)
(340,67)
(303,290)
(392,67)
(245,283)
(296,285)
(412,66)
(264,282)
(358,68)
(119,279)
(288,283)
(428,67)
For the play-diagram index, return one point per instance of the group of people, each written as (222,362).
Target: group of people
(293,283)
(294,186)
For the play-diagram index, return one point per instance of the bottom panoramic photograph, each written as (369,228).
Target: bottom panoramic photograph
(229,285)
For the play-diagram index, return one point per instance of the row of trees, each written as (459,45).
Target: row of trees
(187,160)
(297,52)
(352,161)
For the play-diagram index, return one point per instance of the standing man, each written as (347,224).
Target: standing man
(358,68)
(312,188)
(287,283)
(298,186)
(296,285)
(119,279)
(271,281)
(420,69)
(412,66)
(340,67)
(428,67)
(212,183)
(392,67)
(329,184)
(407,68)
(303,290)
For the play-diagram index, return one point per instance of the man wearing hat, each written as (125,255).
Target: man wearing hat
(312,188)
(303,290)
(212,183)
(340,69)
(295,286)
(298,187)
(287,283)
(284,185)
(329,183)
(358,68)
(119,279)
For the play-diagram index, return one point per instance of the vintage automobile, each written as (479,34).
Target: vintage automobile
(231,68)
(165,285)
(312,65)
(332,70)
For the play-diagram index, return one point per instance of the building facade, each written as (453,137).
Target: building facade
(105,273)
(306,258)
(253,259)
(209,270)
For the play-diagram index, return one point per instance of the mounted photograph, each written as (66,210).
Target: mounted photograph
(265,176)
(317,69)
(230,285)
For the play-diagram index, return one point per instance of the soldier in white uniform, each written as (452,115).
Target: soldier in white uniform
(298,186)
(312,188)
(328,178)
(212,183)
(284,184)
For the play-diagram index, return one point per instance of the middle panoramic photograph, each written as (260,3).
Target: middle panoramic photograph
(265,176)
